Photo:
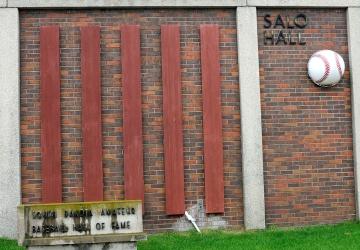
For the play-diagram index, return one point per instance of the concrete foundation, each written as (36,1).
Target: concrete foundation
(104,246)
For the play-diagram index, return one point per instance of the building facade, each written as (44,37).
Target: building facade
(203,107)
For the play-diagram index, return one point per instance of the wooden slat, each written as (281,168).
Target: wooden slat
(212,119)
(50,114)
(172,106)
(132,120)
(91,113)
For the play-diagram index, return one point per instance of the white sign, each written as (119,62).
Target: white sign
(60,221)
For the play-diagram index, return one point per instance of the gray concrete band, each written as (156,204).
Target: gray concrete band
(10,120)
(353,22)
(250,108)
(303,3)
(122,3)
(176,3)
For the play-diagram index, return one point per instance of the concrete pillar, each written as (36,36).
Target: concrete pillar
(353,22)
(9,121)
(251,131)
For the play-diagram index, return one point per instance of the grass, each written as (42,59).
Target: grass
(342,236)
(6,244)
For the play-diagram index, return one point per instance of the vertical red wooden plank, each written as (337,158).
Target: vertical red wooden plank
(173,134)
(132,120)
(212,119)
(91,113)
(50,114)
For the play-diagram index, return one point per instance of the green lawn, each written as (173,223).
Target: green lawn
(342,236)
(9,244)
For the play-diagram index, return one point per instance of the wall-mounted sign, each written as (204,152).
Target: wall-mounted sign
(75,223)
(284,29)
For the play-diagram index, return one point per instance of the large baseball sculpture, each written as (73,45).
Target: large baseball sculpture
(326,68)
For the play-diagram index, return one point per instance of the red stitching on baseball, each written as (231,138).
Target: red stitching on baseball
(327,68)
(338,65)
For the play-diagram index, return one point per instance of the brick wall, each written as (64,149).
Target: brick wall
(307,134)
(111,76)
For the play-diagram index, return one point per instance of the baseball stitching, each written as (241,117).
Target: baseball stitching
(327,68)
(338,64)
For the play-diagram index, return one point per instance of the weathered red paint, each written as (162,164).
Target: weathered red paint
(173,134)
(50,114)
(132,120)
(91,113)
(212,119)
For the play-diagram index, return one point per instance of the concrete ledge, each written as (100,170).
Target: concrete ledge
(304,3)
(122,3)
(10,120)
(251,130)
(353,21)
(85,239)
(107,246)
